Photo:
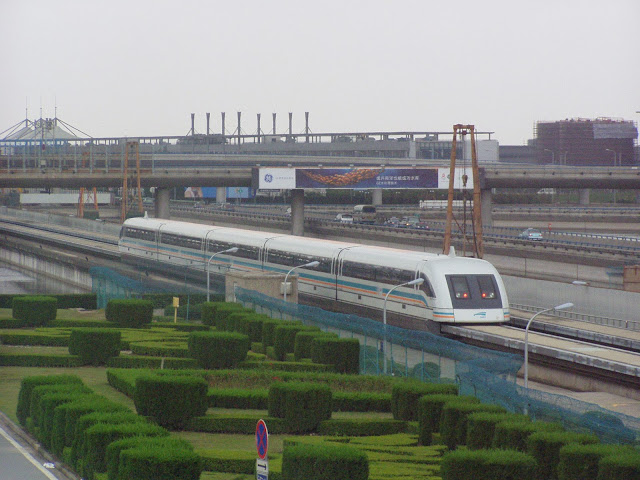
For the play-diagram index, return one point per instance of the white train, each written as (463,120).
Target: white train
(349,277)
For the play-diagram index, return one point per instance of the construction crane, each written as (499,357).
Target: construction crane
(471,241)
(87,196)
(131,191)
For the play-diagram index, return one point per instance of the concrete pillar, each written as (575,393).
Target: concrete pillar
(297,212)
(584,196)
(487,204)
(221,194)
(161,203)
(376,196)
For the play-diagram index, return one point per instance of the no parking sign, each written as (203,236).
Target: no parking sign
(262,444)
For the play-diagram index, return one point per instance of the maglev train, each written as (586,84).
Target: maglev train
(349,277)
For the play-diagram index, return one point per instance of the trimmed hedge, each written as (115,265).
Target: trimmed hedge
(94,346)
(171,400)
(135,361)
(39,360)
(218,349)
(176,348)
(430,411)
(302,345)
(512,435)
(148,462)
(487,465)
(580,462)
(249,324)
(302,405)
(285,366)
(344,353)
(481,427)
(361,427)
(235,423)
(619,467)
(545,448)
(87,301)
(284,338)
(35,311)
(319,462)
(404,397)
(29,383)
(453,424)
(129,313)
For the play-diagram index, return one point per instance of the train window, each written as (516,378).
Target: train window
(281,258)
(358,270)
(393,276)
(325,263)
(180,241)
(487,287)
(247,252)
(460,288)
(214,246)
(427,288)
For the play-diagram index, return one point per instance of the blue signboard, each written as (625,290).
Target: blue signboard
(366,178)
(210,192)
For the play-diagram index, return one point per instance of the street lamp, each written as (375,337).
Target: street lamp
(526,339)
(313,264)
(615,155)
(417,281)
(553,156)
(229,250)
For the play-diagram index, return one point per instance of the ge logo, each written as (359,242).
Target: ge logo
(268,178)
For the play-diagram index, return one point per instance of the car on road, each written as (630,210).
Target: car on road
(392,222)
(344,218)
(531,234)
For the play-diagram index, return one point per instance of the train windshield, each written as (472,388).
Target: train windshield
(474,291)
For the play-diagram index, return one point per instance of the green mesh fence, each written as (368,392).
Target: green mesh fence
(486,374)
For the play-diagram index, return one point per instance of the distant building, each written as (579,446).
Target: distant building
(603,141)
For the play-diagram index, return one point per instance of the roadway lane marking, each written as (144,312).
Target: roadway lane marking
(27,455)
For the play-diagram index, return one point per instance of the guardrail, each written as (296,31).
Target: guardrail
(583,317)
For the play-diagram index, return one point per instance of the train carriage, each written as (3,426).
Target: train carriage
(349,276)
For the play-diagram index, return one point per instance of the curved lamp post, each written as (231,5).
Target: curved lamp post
(526,338)
(417,281)
(229,250)
(313,264)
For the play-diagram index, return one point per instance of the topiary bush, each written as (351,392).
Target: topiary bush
(619,467)
(481,427)
(545,448)
(29,383)
(129,313)
(35,311)
(487,465)
(453,423)
(344,353)
(580,462)
(302,405)
(94,346)
(218,349)
(319,462)
(405,395)
(284,338)
(153,462)
(513,434)
(171,400)
(303,340)
(430,411)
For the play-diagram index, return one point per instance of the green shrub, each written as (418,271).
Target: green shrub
(487,465)
(38,360)
(254,399)
(190,311)
(41,391)
(453,424)
(160,349)
(302,405)
(11,323)
(151,462)
(580,462)
(135,361)
(244,424)
(513,434)
(29,383)
(545,448)
(269,329)
(361,427)
(405,395)
(94,346)
(302,345)
(285,366)
(171,400)
(361,402)
(35,311)
(249,324)
(222,310)
(481,427)
(99,436)
(344,353)
(284,338)
(319,462)
(430,411)
(65,300)
(218,349)
(48,404)
(129,313)
(619,467)
(112,454)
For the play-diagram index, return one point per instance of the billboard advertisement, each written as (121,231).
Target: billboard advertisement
(276,178)
(210,192)
(366,178)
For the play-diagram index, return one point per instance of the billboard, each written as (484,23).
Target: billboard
(366,178)
(210,192)
(443,178)
(275,178)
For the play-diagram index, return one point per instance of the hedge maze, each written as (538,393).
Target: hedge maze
(231,367)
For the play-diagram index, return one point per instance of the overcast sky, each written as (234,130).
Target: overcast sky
(140,67)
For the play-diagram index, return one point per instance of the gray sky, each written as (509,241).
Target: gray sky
(140,67)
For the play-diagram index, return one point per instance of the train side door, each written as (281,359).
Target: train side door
(158,233)
(206,251)
(336,269)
